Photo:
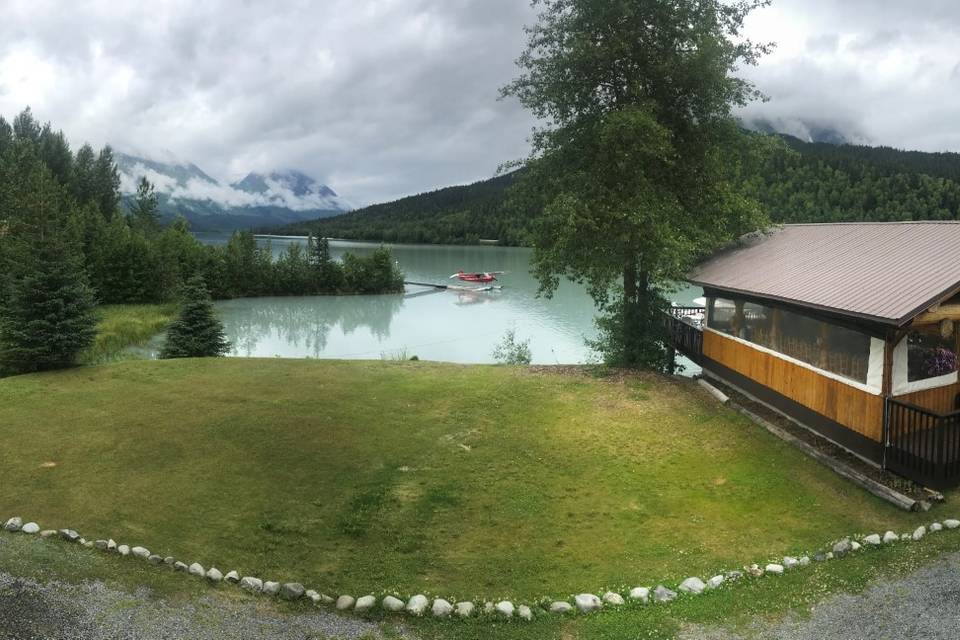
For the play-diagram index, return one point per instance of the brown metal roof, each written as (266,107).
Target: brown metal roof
(884,271)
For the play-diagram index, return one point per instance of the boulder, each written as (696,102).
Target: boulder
(524,612)
(587,603)
(365,603)
(773,568)
(271,588)
(392,604)
(249,583)
(734,575)
(854,546)
(715,581)
(612,598)
(140,552)
(169,560)
(123,549)
(233,577)
(69,535)
(754,570)
(181,566)
(292,591)
(504,608)
(154,559)
(789,562)
(872,539)
(417,605)
(561,607)
(111,545)
(86,543)
(196,569)
(692,585)
(214,575)
(890,536)
(441,608)
(48,533)
(30,527)
(464,609)
(662,594)
(919,532)
(842,548)
(100,544)
(640,593)
(312,595)
(950,523)
(13,524)
(821,557)
(934,526)
(325,599)
(804,561)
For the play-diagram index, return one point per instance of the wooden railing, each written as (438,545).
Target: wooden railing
(923,445)
(685,336)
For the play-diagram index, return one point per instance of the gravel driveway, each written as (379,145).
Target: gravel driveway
(924,604)
(31,610)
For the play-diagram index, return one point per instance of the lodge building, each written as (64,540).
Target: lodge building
(850,330)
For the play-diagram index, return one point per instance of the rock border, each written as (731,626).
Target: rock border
(420,605)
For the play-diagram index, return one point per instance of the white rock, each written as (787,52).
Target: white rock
(196,569)
(111,545)
(345,602)
(180,566)
(950,523)
(249,583)
(464,609)
(325,599)
(504,608)
(365,603)
(872,539)
(87,543)
(271,588)
(214,575)
(890,536)
(233,577)
(715,581)
(935,526)
(441,608)
(13,524)
(561,607)
(392,604)
(692,585)
(587,603)
(48,533)
(123,549)
(855,546)
(804,561)
(640,593)
(312,595)
(774,568)
(662,594)
(418,604)
(30,527)
(142,552)
(919,532)
(524,612)
(789,562)
(613,598)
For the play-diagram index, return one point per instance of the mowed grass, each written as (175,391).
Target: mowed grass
(467,482)
(121,326)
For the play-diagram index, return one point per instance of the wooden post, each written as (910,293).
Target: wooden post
(739,323)
(824,359)
(775,330)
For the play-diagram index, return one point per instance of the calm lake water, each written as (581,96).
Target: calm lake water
(450,326)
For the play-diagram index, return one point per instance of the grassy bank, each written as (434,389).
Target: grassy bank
(121,326)
(464,482)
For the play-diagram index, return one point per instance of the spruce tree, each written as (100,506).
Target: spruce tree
(196,333)
(48,317)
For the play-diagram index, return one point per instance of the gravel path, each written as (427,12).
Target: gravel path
(31,610)
(924,604)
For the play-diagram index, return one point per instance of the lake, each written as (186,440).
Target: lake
(449,326)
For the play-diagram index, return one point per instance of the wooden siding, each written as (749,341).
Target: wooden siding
(939,400)
(855,409)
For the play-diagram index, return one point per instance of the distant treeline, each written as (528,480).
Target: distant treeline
(55,200)
(801,182)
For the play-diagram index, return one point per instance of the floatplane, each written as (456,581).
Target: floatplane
(480,277)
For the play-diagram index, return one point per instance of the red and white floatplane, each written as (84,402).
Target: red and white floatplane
(481,276)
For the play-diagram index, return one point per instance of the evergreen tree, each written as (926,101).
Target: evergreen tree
(146,216)
(48,317)
(197,332)
(107,184)
(82,184)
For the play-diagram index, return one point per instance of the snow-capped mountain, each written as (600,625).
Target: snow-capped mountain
(257,200)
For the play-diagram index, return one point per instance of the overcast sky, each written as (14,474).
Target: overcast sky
(383,98)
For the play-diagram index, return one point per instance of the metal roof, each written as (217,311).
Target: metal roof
(888,272)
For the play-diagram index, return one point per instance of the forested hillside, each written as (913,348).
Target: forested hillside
(804,182)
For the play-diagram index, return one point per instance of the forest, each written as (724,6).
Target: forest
(799,182)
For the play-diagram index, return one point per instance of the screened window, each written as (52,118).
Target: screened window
(825,346)
(930,354)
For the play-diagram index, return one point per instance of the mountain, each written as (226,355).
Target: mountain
(803,129)
(257,200)
(803,182)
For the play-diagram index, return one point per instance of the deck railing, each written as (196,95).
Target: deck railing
(685,336)
(923,445)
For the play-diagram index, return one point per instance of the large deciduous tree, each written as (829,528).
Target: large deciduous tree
(634,164)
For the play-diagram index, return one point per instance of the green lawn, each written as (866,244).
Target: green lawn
(120,326)
(466,482)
